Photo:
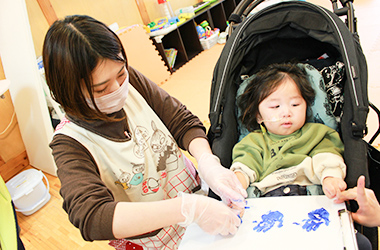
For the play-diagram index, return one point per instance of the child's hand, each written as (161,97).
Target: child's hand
(332,186)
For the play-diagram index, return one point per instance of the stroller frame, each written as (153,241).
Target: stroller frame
(244,45)
(245,7)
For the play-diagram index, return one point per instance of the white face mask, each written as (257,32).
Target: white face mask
(113,101)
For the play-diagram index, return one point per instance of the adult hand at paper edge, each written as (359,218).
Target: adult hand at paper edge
(368,213)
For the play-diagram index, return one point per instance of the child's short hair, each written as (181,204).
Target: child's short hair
(72,48)
(265,83)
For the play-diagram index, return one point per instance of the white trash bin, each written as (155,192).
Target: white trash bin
(28,191)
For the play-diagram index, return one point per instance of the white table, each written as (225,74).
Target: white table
(293,222)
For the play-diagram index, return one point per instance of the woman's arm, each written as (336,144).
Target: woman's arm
(214,217)
(88,202)
(198,147)
(91,206)
(135,218)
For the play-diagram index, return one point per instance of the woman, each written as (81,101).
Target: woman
(121,171)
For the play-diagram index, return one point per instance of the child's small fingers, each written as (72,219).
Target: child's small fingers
(332,193)
(342,186)
(327,193)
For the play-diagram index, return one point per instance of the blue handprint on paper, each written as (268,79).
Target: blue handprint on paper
(268,221)
(316,218)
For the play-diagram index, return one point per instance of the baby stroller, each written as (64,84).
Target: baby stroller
(301,31)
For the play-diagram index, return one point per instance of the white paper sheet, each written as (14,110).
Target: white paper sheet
(293,222)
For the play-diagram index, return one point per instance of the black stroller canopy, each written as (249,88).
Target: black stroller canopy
(288,31)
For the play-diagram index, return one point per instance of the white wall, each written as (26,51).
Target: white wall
(20,67)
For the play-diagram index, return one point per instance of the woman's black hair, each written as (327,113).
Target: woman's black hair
(72,48)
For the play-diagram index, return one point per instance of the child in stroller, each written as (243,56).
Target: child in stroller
(288,156)
(282,32)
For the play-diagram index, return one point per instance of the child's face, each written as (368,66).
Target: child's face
(284,111)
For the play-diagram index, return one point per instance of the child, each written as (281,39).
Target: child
(287,156)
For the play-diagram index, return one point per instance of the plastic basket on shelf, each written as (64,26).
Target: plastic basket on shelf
(209,42)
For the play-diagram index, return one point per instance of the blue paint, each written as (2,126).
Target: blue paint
(269,220)
(241,221)
(247,207)
(316,219)
(237,201)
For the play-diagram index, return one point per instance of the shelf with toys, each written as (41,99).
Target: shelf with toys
(183,36)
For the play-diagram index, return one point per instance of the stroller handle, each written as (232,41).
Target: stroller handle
(245,7)
(348,10)
(242,10)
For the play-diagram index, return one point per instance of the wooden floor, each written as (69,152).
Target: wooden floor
(50,228)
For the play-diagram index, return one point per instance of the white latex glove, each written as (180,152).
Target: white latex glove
(221,180)
(213,216)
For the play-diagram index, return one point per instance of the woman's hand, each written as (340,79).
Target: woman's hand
(213,216)
(220,179)
(368,213)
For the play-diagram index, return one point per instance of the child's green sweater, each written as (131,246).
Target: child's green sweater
(305,157)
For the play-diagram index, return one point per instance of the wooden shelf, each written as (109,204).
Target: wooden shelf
(185,37)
